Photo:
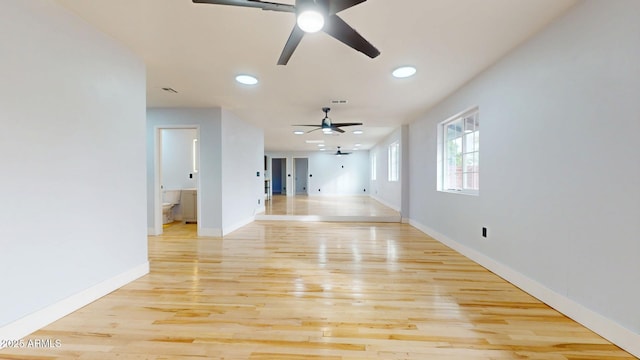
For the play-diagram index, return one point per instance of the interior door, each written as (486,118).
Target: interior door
(301,175)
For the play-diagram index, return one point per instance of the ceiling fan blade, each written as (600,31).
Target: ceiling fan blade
(305,125)
(341,31)
(313,130)
(345,124)
(337,129)
(291,45)
(264,5)
(335,6)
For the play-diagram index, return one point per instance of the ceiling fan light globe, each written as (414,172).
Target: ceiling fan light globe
(310,21)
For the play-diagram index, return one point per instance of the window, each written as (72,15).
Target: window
(459,153)
(374,167)
(394,155)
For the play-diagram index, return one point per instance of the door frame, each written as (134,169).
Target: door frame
(157,183)
(295,173)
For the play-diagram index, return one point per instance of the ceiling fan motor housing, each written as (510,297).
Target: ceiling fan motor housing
(326,122)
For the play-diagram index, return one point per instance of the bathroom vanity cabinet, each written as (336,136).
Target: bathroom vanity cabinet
(189,204)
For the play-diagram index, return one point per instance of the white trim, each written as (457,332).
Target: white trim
(157,163)
(236,226)
(374,197)
(209,232)
(41,318)
(441,153)
(605,327)
(151,232)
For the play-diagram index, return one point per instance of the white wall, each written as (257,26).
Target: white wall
(242,172)
(72,110)
(231,153)
(559,172)
(209,124)
(383,190)
(177,159)
(330,174)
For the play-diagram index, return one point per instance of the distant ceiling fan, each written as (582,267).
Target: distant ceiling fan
(340,153)
(312,16)
(327,126)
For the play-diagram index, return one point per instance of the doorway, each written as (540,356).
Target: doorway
(301,173)
(279,176)
(177,163)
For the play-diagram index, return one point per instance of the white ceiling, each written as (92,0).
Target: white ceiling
(197,49)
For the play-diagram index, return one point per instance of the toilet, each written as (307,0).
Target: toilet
(170,198)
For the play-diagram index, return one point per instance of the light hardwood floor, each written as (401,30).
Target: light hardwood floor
(328,208)
(287,291)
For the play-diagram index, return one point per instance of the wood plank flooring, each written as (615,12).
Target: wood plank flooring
(328,208)
(289,291)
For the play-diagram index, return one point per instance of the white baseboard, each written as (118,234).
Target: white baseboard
(209,232)
(605,327)
(238,225)
(151,232)
(41,318)
(384,203)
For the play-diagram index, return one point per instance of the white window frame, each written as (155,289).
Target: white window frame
(463,130)
(374,167)
(394,162)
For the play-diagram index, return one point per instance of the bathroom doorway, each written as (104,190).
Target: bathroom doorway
(177,175)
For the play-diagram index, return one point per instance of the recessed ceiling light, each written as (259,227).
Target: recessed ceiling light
(314,141)
(356,145)
(404,72)
(246,79)
(299,132)
(322,149)
(358,132)
(320,145)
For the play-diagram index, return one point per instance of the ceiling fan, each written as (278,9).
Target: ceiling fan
(327,126)
(312,16)
(340,153)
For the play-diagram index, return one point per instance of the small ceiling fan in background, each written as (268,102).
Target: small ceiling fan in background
(312,16)
(340,153)
(327,126)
